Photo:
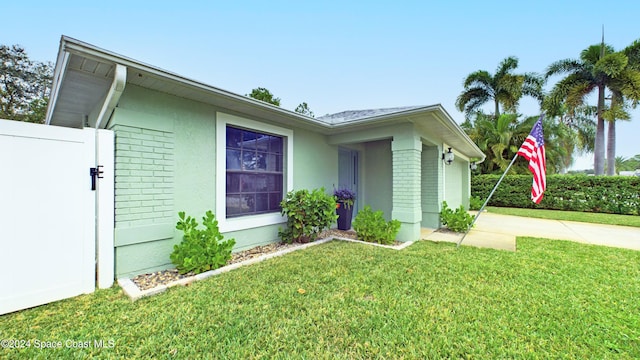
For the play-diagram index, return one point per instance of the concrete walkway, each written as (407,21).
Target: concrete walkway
(500,231)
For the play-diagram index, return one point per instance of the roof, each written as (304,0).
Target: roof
(86,75)
(351,115)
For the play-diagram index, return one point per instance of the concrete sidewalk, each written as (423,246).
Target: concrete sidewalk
(500,231)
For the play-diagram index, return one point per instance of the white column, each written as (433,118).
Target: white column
(105,205)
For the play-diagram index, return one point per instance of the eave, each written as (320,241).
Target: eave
(84,73)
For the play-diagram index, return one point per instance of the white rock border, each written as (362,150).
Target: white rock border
(134,293)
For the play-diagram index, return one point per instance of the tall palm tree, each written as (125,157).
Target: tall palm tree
(503,88)
(625,85)
(615,112)
(584,76)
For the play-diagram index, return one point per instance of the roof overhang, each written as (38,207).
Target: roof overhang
(433,120)
(84,74)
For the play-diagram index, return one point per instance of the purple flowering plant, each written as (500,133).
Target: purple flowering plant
(345,196)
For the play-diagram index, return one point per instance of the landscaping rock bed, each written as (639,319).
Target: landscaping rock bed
(164,277)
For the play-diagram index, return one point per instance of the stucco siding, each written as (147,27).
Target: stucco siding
(249,238)
(166,163)
(378,176)
(454,181)
(315,162)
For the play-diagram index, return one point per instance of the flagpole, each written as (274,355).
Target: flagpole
(487,201)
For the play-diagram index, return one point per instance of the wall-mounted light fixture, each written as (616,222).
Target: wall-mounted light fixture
(448,157)
(473,166)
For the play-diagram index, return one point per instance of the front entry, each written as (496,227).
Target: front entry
(348,173)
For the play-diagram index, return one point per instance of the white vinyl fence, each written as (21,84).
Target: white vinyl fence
(48,214)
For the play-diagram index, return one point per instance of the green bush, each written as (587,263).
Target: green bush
(372,227)
(475,203)
(458,220)
(308,213)
(201,249)
(600,194)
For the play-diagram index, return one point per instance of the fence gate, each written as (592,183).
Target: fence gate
(47,214)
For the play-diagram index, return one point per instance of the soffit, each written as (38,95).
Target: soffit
(84,85)
(447,132)
(90,70)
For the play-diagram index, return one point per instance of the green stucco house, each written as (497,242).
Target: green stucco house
(181,145)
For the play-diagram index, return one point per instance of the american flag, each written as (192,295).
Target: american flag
(533,150)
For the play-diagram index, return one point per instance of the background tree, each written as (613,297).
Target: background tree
(24,85)
(579,120)
(504,88)
(501,138)
(598,68)
(265,95)
(582,122)
(630,164)
(494,138)
(303,109)
(561,141)
(624,69)
(621,164)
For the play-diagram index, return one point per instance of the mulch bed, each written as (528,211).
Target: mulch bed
(151,280)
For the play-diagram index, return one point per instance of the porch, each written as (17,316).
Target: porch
(398,168)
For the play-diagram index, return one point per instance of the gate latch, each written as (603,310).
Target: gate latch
(95,172)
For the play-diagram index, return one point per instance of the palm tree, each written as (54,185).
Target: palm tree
(561,141)
(579,120)
(622,164)
(501,138)
(584,76)
(625,86)
(493,137)
(616,111)
(504,88)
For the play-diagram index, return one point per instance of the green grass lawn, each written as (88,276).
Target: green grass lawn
(596,218)
(550,299)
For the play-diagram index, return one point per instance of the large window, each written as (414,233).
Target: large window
(254,171)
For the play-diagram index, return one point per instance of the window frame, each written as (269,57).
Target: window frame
(254,220)
(269,171)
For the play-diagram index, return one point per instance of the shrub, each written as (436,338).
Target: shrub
(475,203)
(201,249)
(458,220)
(372,227)
(308,213)
(601,194)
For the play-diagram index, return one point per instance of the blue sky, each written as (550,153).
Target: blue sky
(336,55)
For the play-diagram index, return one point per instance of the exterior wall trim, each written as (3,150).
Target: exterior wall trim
(146,233)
